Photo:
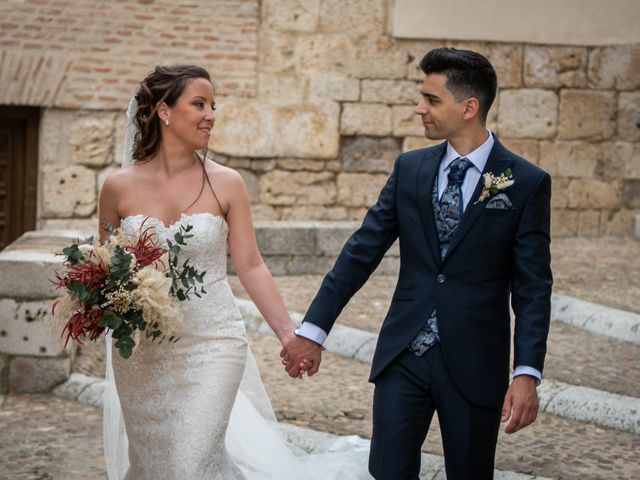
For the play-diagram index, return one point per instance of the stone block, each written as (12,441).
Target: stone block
(555,67)
(308,130)
(619,222)
(413,51)
(369,154)
(564,223)
(619,160)
(104,173)
(527,113)
(38,374)
(330,238)
(291,15)
(360,57)
(405,121)
(252,183)
(261,211)
(365,119)
(277,264)
(359,189)
(253,129)
(391,91)
(527,149)
(314,213)
(287,86)
(4,375)
(119,128)
(53,142)
(506,58)
(93,394)
(637,225)
(589,223)
(28,328)
(587,193)
(334,86)
(68,191)
(301,164)
(91,139)
(378,57)
(560,192)
(357,18)
(89,226)
(285,238)
(277,52)
(631,193)
(629,116)
(587,114)
(615,67)
(261,165)
(27,274)
(569,159)
(297,188)
(310,265)
(413,143)
(72,388)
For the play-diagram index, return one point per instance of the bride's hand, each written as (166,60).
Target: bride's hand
(301,355)
(286,340)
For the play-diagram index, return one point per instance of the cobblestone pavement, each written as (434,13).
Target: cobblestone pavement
(60,439)
(44,437)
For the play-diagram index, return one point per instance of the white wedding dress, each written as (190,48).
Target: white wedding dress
(196,409)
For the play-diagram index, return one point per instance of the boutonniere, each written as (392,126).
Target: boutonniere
(493,184)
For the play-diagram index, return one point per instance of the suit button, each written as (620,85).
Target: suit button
(440,278)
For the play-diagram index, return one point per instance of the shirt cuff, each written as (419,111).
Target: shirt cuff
(312,332)
(523,370)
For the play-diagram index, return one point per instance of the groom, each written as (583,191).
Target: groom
(472,219)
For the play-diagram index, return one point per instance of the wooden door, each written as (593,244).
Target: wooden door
(18,171)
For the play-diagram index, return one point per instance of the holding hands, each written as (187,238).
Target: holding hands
(301,355)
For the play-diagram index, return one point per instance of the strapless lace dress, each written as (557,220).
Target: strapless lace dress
(184,415)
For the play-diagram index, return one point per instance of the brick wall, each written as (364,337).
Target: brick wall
(315,123)
(91,54)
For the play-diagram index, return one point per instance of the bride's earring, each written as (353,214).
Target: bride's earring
(166,122)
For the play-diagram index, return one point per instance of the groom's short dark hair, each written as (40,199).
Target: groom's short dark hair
(468,73)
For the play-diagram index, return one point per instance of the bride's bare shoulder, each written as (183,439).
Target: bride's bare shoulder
(122,178)
(225,175)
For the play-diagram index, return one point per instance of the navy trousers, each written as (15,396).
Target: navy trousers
(406,395)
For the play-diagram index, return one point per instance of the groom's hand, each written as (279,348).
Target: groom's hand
(301,352)
(520,403)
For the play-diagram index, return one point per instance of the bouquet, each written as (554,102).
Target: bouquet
(129,284)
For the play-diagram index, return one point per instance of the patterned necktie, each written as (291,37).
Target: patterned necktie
(448,213)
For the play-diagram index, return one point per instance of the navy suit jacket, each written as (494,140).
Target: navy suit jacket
(495,255)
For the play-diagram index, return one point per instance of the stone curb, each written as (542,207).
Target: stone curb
(89,390)
(611,322)
(606,409)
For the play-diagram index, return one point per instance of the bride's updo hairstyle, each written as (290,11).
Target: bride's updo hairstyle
(164,84)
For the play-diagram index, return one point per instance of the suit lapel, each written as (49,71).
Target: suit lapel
(497,163)
(424,183)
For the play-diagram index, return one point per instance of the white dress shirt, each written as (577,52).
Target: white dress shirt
(478,158)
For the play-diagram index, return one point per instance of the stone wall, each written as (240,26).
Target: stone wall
(328,104)
(33,357)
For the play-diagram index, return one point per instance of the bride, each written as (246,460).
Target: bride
(195,409)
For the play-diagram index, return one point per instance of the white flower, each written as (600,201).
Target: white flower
(85,249)
(65,306)
(152,295)
(487,180)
